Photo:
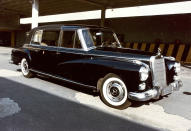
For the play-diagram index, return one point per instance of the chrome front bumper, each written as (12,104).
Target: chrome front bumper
(155,93)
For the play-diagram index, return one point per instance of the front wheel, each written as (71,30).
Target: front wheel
(114,92)
(25,68)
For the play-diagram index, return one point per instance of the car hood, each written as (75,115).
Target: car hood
(123,53)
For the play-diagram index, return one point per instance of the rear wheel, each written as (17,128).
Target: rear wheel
(114,92)
(25,68)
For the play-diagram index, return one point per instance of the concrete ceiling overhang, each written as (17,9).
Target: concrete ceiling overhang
(23,8)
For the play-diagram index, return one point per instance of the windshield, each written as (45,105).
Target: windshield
(104,38)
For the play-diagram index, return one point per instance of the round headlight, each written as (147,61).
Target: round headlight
(144,73)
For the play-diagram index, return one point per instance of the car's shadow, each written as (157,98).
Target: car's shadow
(86,90)
(19,70)
(65,84)
(42,111)
(187,93)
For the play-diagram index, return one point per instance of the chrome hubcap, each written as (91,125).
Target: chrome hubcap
(24,67)
(115,91)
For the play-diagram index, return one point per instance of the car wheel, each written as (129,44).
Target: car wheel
(114,92)
(25,68)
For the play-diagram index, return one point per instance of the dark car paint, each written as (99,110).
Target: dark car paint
(85,67)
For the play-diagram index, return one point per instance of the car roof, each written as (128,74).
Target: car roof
(72,26)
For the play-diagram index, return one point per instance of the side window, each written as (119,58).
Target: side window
(50,38)
(87,37)
(70,39)
(37,37)
(77,42)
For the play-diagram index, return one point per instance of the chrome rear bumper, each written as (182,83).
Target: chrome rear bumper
(155,92)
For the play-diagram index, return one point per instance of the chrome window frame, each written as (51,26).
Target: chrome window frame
(93,47)
(33,33)
(81,37)
(32,37)
(61,37)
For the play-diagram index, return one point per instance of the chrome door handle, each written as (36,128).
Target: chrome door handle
(36,50)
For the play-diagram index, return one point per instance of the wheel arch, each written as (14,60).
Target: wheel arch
(21,53)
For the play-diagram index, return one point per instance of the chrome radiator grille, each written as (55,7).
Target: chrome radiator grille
(158,72)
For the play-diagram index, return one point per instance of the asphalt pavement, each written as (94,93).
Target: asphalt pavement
(44,104)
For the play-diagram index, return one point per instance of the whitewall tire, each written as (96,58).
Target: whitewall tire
(114,92)
(25,68)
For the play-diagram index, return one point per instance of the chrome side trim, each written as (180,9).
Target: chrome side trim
(61,78)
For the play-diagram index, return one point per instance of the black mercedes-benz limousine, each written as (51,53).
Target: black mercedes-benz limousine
(93,57)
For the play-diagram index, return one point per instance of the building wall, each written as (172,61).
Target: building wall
(9,22)
(166,28)
(20,35)
(149,29)
(170,33)
(20,38)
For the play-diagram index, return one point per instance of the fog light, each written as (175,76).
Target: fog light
(142,86)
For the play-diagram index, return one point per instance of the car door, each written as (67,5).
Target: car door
(70,56)
(49,47)
(43,49)
(35,49)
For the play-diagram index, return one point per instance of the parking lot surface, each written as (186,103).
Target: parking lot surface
(44,104)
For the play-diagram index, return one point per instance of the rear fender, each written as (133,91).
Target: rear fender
(19,53)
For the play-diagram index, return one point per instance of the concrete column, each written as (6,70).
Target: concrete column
(35,13)
(103,17)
